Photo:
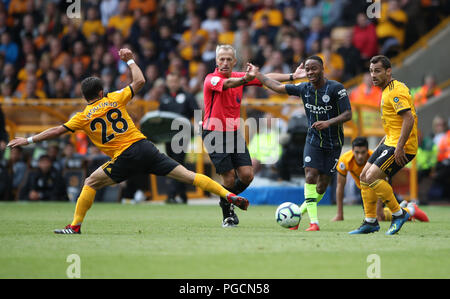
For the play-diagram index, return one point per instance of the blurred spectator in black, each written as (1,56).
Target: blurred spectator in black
(71,159)
(265,29)
(17,169)
(298,51)
(8,75)
(177,100)
(172,18)
(165,43)
(3,134)
(352,57)
(46,183)
(416,27)
(107,76)
(315,34)
(53,154)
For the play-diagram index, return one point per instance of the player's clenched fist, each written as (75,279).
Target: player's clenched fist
(125,54)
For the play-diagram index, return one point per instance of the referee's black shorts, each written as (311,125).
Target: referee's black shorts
(142,157)
(227,150)
(383,157)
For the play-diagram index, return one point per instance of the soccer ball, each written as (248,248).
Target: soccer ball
(288,214)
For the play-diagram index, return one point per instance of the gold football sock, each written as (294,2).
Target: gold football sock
(207,184)
(369,198)
(84,203)
(385,192)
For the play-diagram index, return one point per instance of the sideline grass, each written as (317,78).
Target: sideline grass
(161,241)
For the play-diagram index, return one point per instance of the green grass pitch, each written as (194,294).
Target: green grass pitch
(179,241)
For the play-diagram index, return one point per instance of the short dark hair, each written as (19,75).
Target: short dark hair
(316,58)
(90,87)
(45,157)
(360,141)
(385,62)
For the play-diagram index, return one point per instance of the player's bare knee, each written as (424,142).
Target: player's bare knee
(247,177)
(91,182)
(228,179)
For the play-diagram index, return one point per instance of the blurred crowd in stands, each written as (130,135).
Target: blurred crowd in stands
(45,54)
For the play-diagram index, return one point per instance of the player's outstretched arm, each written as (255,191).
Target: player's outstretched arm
(341,180)
(299,73)
(271,83)
(250,74)
(136,73)
(45,135)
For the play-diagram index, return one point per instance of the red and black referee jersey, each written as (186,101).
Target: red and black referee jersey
(222,107)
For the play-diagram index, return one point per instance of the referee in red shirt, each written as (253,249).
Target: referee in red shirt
(222,93)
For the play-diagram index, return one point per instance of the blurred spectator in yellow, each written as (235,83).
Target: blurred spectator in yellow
(333,62)
(365,37)
(121,21)
(427,91)
(226,36)
(391,27)
(366,92)
(92,25)
(193,37)
(31,90)
(274,15)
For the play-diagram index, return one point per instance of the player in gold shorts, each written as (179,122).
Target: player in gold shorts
(396,149)
(108,125)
